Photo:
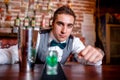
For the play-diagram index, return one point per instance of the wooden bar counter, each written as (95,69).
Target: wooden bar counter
(72,71)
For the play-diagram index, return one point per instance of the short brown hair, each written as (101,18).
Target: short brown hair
(63,10)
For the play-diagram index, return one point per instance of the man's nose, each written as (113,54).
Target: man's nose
(64,29)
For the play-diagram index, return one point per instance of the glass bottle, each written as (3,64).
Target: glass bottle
(26,23)
(17,24)
(33,22)
(17,21)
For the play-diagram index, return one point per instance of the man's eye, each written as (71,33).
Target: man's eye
(70,26)
(60,24)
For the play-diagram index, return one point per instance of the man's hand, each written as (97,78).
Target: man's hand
(91,54)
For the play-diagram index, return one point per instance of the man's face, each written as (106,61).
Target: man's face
(62,26)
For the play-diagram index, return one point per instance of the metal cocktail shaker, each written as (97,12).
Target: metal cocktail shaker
(27,53)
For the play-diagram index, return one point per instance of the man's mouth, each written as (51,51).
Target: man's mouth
(62,36)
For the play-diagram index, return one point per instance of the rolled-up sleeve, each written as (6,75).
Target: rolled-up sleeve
(9,55)
(5,56)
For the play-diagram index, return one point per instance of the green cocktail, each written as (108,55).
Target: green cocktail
(52,62)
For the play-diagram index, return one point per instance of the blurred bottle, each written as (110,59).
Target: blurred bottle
(17,24)
(17,21)
(26,22)
(33,22)
(52,63)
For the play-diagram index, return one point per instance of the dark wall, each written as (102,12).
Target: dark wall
(111,6)
(110,3)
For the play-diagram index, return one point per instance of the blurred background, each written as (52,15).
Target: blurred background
(97,23)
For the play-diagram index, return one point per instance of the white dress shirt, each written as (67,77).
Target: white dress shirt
(10,55)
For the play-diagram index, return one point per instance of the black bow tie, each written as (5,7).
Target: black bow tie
(61,45)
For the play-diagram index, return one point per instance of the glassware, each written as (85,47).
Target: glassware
(52,63)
